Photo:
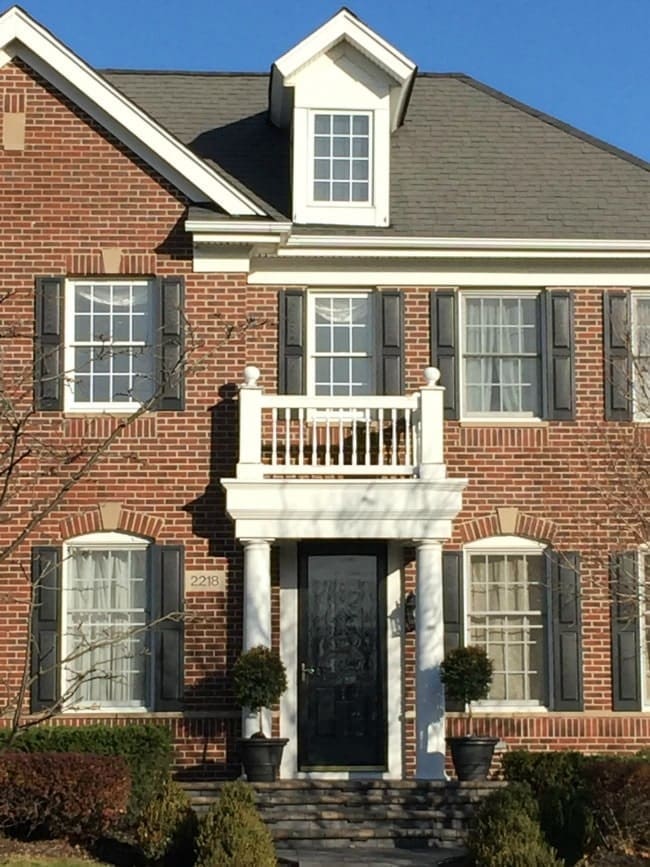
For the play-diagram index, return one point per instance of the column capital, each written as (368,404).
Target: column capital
(428,543)
(256,542)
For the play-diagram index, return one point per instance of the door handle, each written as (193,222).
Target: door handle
(306,670)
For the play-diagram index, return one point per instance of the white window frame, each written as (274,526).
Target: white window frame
(70,404)
(638,414)
(504,417)
(504,545)
(101,542)
(644,626)
(330,203)
(310,338)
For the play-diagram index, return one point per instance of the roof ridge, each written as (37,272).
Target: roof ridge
(188,72)
(563,126)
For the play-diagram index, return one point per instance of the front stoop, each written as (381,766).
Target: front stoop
(402,816)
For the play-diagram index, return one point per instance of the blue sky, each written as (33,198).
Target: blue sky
(584,61)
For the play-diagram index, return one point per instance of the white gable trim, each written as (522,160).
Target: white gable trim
(21,36)
(344,26)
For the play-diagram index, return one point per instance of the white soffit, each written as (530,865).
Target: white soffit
(344,26)
(22,36)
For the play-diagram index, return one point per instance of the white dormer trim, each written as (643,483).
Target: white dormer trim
(344,26)
(21,36)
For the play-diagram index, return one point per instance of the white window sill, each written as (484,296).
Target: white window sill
(503,421)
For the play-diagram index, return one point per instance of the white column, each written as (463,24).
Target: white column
(250,426)
(432,464)
(257,613)
(429,649)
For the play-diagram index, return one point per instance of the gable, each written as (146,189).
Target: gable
(22,37)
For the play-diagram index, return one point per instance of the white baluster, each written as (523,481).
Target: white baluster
(328,416)
(287,435)
(274,436)
(301,436)
(314,444)
(367,422)
(407,435)
(354,438)
(393,456)
(341,437)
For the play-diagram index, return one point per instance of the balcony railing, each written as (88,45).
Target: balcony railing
(294,435)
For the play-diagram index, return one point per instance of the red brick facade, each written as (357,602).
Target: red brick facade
(74,193)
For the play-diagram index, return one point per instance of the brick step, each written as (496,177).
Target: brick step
(358,812)
(358,831)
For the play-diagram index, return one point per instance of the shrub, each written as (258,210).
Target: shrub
(232,834)
(619,795)
(506,831)
(167,824)
(147,750)
(557,780)
(467,675)
(80,797)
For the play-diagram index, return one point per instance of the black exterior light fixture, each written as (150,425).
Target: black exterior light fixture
(409,612)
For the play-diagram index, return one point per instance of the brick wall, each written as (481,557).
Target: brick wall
(72,196)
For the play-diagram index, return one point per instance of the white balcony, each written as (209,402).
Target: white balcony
(342,467)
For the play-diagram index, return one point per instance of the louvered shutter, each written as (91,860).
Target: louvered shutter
(443,332)
(291,341)
(452,605)
(563,573)
(626,644)
(45,628)
(170,348)
(559,384)
(167,626)
(48,360)
(618,356)
(390,342)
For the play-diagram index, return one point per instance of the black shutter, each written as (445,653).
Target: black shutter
(444,335)
(563,574)
(167,625)
(44,639)
(291,341)
(48,356)
(557,317)
(170,344)
(618,356)
(626,649)
(390,342)
(452,606)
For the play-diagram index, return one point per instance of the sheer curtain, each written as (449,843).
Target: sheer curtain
(106,599)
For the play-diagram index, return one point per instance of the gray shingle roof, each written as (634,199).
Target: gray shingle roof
(468,161)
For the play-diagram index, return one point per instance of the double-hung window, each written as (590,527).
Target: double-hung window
(341,338)
(105,641)
(501,368)
(506,615)
(644,626)
(109,360)
(341,157)
(640,385)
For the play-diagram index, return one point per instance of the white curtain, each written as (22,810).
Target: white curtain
(106,599)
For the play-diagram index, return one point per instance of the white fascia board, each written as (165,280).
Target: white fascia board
(369,245)
(343,26)
(238,232)
(78,81)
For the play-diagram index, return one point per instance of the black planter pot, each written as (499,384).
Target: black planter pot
(261,758)
(472,756)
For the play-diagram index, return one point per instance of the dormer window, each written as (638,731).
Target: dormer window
(342,149)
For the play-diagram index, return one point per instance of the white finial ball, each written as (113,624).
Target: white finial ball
(432,375)
(251,375)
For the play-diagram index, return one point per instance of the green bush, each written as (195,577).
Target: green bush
(72,795)
(506,832)
(232,834)
(557,780)
(147,750)
(167,825)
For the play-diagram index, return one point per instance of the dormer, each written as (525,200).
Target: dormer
(343,90)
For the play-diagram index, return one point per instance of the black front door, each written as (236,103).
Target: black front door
(342,656)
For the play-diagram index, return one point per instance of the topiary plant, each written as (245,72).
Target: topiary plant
(167,824)
(259,679)
(232,834)
(467,674)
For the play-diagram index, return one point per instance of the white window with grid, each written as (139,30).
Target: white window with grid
(341,158)
(506,615)
(501,370)
(109,345)
(340,341)
(105,612)
(641,355)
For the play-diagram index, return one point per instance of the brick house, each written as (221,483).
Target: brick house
(330,238)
